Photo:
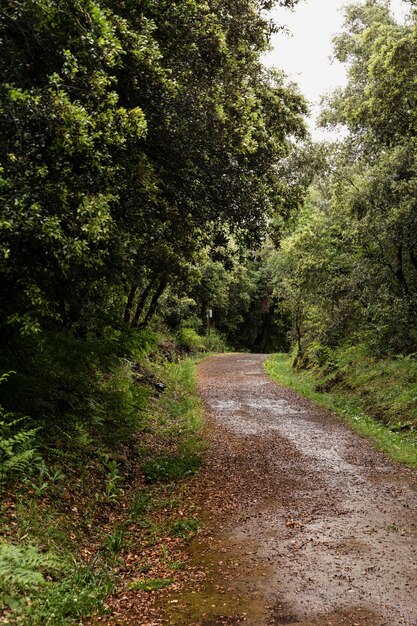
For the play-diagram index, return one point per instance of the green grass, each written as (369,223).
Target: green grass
(348,400)
(185,528)
(49,588)
(62,522)
(168,469)
(178,420)
(151,584)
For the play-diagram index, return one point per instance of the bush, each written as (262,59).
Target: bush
(316,357)
(215,342)
(190,341)
(79,390)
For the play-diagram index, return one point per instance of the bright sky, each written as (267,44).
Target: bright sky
(305,53)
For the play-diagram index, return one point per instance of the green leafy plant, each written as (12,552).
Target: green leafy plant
(23,567)
(141,504)
(392,527)
(113,490)
(41,477)
(17,446)
(190,340)
(185,528)
(117,539)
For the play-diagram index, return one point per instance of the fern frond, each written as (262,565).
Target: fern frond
(16,449)
(23,567)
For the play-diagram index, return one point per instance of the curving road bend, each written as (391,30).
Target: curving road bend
(306,522)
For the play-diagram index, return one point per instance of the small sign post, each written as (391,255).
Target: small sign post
(209,316)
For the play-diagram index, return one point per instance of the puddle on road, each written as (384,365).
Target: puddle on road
(233,592)
(265,415)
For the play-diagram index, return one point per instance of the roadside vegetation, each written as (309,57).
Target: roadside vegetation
(85,524)
(376,397)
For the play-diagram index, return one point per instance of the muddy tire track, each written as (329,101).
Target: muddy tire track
(306,523)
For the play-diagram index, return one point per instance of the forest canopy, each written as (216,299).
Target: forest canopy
(135,135)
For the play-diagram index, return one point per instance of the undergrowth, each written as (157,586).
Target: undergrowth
(73,515)
(376,397)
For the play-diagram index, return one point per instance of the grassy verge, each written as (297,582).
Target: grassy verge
(347,402)
(81,528)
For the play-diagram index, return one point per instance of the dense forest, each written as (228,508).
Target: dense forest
(152,169)
(143,157)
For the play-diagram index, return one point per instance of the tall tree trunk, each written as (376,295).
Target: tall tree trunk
(299,356)
(141,303)
(400,270)
(154,303)
(129,304)
(413,255)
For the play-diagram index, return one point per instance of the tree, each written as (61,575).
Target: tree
(349,264)
(134,131)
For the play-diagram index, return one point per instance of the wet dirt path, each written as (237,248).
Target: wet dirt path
(306,522)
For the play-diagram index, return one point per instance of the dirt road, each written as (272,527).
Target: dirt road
(308,524)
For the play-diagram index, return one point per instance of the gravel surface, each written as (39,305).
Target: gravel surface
(305,522)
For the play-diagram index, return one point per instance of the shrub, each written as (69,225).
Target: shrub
(23,567)
(79,391)
(317,356)
(190,340)
(215,342)
(17,444)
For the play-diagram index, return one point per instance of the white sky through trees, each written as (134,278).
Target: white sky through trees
(304,54)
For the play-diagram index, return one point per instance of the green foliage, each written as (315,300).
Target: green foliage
(39,477)
(317,357)
(237,286)
(190,340)
(185,528)
(179,411)
(49,583)
(113,490)
(80,593)
(347,264)
(80,391)
(115,93)
(72,591)
(141,504)
(23,567)
(116,541)
(169,469)
(215,342)
(135,138)
(17,445)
